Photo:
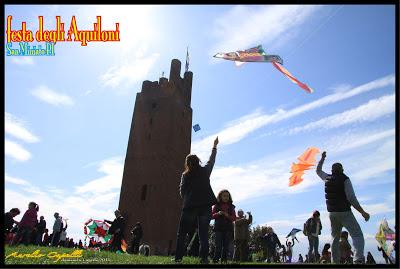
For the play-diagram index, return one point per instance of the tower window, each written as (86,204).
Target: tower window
(154,105)
(143,193)
(151,121)
(149,137)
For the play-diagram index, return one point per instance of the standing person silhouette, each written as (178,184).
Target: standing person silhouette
(117,230)
(57,227)
(340,197)
(198,198)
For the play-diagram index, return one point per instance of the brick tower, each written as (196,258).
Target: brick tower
(159,142)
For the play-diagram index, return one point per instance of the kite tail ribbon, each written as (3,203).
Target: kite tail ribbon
(292,78)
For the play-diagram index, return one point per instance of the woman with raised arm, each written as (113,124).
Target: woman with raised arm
(198,198)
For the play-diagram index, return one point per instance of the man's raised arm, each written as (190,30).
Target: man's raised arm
(321,173)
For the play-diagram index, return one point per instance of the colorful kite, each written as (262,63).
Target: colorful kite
(385,238)
(196,128)
(306,161)
(257,54)
(98,230)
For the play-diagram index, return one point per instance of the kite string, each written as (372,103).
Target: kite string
(315,30)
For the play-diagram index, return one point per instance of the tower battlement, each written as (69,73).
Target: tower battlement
(174,85)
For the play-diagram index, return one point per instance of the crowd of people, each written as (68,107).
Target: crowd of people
(31,231)
(230,233)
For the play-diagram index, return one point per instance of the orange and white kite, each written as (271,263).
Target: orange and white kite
(306,161)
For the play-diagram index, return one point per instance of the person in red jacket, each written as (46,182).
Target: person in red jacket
(26,225)
(224,214)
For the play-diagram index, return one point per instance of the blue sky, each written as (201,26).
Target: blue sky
(68,116)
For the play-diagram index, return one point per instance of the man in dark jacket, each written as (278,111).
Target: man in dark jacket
(272,241)
(198,197)
(340,197)
(136,236)
(117,230)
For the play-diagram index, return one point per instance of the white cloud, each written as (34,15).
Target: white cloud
(87,92)
(56,191)
(260,178)
(268,25)
(52,97)
(344,87)
(128,71)
(22,60)
(381,208)
(240,129)
(137,24)
(16,151)
(113,168)
(15,127)
(370,111)
(371,166)
(350,140)
(16,181)
(131,60)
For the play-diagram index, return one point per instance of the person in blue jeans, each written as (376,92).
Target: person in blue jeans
(313,226)
(340,196)
(198,198)
(224,214)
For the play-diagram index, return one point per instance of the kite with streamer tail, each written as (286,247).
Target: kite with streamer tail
(385,237)
(306,161)
(258,54)
(98,230)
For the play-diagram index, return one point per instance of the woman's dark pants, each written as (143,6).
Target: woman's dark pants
(189,216)
(222,242)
